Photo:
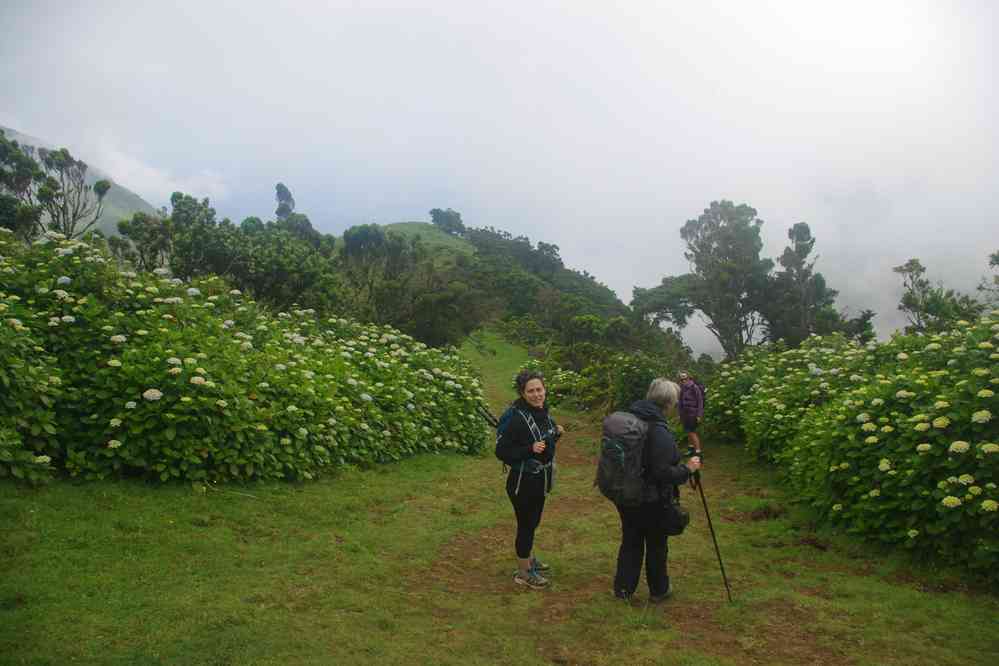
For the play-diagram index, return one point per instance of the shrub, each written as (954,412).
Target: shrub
(898,441)
(173,380)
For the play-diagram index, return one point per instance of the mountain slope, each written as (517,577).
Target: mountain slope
(119,203)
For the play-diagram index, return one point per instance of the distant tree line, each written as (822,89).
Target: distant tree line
(372,273)
(386,277)
(744,300)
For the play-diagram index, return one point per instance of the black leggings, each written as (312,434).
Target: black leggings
(528,503)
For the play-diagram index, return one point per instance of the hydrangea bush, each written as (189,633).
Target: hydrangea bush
(896,441)
(29,390)
(606,384)
(119,373)
(561,386)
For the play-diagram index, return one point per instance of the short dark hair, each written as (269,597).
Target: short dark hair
(524,376)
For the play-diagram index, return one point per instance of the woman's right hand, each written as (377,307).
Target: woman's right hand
(693,464)
(538,447)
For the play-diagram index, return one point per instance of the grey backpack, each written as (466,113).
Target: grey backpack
(621,468)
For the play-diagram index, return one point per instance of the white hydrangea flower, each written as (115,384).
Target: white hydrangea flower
(959,447)
(152,394)
(981,416)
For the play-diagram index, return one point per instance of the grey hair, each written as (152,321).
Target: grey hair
(663,392)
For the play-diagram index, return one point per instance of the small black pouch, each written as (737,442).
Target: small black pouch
(675,518)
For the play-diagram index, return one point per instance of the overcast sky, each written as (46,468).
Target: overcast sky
(601,127)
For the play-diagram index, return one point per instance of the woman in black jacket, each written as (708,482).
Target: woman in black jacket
(525,440)
(642,528)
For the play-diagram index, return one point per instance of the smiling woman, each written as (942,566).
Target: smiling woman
(525,440)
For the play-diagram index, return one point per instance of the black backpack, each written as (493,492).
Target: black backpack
(621,468)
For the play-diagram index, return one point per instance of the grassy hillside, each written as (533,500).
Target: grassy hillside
(433,237)
(119,203)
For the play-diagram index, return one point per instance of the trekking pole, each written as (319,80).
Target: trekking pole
(487,415)
(714,539)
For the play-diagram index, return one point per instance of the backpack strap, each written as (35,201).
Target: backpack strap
(531,425)
(548,469)
(646,454)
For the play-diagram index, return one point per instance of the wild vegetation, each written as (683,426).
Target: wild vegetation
(364,564)
(191,347)
(110,372)
(895,441)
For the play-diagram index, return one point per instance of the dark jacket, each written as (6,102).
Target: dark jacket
(691,402)
(662,457)
(514,435)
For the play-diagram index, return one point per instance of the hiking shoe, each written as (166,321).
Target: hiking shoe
(659,598)
(530,578)
(623,595)
(538,565)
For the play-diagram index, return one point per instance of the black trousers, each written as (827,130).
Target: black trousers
(528,503)
(642,537)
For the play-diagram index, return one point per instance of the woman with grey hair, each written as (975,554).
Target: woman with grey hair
(643,529)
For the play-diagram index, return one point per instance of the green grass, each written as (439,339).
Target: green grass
(435,239)
(410,564)
(443,247)
(498,361)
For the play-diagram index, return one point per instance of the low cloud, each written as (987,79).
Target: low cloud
(153,184)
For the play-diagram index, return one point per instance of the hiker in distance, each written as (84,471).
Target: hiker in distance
(644,527)
(691,409)
(525,440)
